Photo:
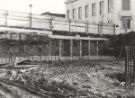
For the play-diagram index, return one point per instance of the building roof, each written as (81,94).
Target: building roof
(69,1)
(54,14)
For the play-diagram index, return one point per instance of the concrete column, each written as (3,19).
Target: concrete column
(30,16)
(97,48)
(86,27)
(51,24)
(69,25)
(6,18)
(11,35)
(50,47)
(80,48)
(89,47)
(60,47)
(20,36)
(71,48)
(114,28)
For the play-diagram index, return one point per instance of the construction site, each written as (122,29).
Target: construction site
(41,57)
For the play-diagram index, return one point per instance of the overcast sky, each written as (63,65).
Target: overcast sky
(39,6)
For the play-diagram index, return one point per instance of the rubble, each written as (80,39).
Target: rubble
(73,81)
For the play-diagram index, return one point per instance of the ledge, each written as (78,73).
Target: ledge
(77,38)
(69,1)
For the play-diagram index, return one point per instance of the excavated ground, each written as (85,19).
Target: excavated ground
(69,79)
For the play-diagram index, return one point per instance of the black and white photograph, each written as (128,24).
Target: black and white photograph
(67,48)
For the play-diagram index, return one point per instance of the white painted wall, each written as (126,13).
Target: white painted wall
(82,3)
(116,14)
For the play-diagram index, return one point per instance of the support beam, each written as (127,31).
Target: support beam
(80,48)
(50,47)
(89,48)
(6,18)
(114,28)
(60,47)
(97,48)
(86,27)
(71,48)
(11,35)
(69,25)
(30,16)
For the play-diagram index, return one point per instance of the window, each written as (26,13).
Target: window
(110,6)
(74,13)
(80,13)
(68,13)
(94,9)
(126,4)
(101,7)
(86,11)
(126,23)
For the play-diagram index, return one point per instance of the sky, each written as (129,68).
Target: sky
(39,6)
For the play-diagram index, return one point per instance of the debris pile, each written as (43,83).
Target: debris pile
(72,80)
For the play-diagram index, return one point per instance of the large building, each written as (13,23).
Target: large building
(118,12)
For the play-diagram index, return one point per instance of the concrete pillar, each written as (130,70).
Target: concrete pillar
(69,25)
(80,48)
(6,18)
(89,47)
(20,36)
(114,28)
(60,47)
(71,48)
(50,47)
(86,27)
(30,16)
(97,48)
(51,23)
(11,35)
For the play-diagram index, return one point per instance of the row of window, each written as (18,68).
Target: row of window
(86,10)
(79,12)
(125,6)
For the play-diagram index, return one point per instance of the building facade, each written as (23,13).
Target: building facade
(118,12)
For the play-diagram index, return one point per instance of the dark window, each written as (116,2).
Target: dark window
(126,23)
(126,4)
(74,13)
(94,9)
(101,7)
(110,6)
(86,10)
(68,14)
(80,13)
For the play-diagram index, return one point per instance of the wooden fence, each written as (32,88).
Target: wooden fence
(54,58)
